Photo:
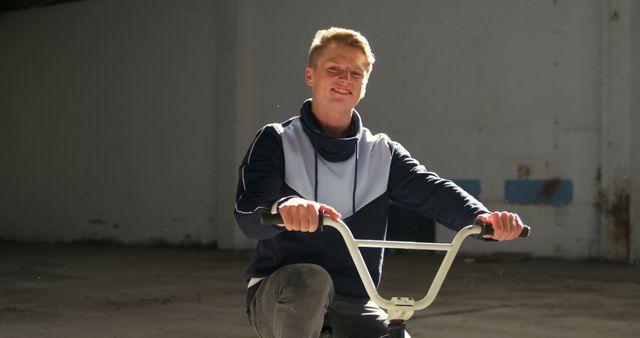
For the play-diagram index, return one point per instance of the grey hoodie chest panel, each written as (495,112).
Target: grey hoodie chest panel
(336,179)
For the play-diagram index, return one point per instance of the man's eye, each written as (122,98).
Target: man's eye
(356,75)
(333,69)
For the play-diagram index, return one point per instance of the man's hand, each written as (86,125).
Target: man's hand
(506,225)
(299,214)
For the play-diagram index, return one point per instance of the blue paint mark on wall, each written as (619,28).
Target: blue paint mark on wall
(550,191)
(470,186)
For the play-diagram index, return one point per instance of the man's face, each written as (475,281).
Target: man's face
(338,80)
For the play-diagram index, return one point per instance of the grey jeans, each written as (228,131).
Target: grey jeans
(298,301)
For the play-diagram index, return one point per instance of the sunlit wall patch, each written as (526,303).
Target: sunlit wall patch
(554,191)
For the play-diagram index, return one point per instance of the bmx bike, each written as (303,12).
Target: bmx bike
(400,309)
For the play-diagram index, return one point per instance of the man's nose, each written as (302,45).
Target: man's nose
(346,75)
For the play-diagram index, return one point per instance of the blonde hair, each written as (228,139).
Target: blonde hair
(344,36)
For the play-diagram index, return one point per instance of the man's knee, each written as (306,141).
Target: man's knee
(309,279)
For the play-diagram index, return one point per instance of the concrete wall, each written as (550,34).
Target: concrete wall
(475,90)
(106,123)
(615,136)
(634,126)
(162,101)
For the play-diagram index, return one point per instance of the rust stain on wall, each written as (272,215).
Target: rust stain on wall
(615,16)
(550,187)
(615,207)
(618,212)
(524,171)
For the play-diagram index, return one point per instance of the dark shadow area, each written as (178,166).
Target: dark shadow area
(408,225)
(13,5)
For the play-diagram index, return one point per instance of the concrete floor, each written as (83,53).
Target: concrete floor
(112,291)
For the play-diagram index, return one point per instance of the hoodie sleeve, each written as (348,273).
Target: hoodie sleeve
(260,181)
(412,185)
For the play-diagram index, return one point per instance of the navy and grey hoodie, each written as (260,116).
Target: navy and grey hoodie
(356,175)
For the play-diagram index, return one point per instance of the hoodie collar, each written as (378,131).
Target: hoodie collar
(331,148)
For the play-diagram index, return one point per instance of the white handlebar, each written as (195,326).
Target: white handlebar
(389,304)
(398,308)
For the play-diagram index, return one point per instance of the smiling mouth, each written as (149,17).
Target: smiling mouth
(341,91)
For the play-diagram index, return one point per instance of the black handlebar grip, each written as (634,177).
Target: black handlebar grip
(487,229)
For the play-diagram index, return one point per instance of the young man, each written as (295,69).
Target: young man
(301,281)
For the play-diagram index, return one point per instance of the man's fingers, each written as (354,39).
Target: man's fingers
(496,222)
(303,219)
(312,214)
(302,215)
(512,226)
(329,211)
(292,218)
(516,226)
(519,225)
(506,220)
(506,225)
(299,217)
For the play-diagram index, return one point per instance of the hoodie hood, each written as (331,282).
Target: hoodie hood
(331,148)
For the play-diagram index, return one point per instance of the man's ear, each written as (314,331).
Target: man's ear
(308,76)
